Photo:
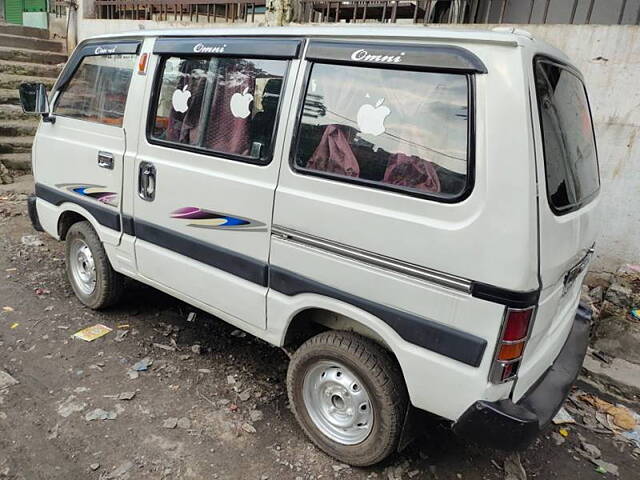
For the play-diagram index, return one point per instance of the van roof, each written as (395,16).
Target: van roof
(505,36)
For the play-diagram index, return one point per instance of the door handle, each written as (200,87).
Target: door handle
(147,181)
(105,160)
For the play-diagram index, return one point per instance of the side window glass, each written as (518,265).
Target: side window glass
(223,105)
(571,163)
(393,129)
(97,92)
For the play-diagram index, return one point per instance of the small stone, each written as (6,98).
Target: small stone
(191,317)
(184,357)
(591,451)
(196,349)
(413,473)
(170,423)
(94,466)
(31,241)
(142,365)
(244,396)
(557,438)
(133,374)
(184,423)
(238,333)
(620,295)
(126,396)
(230,379)
(70,405)
(255,415)
(247,427)
(100,414)
(204,370)
(6,380)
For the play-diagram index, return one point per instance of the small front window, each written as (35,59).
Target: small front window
(227,106)
(98,90)
(393,129)
(570,158)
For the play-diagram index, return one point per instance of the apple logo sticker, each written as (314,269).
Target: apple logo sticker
(180,100)
(240,104)
(371,119)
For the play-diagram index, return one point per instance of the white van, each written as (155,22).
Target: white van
(411,208)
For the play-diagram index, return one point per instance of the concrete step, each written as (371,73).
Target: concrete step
(31,56)
(9,96)
(16,161)
(19,128)
(12,112)
(31,69)
(14,81)
(11,29)
(15,144)
(17,41)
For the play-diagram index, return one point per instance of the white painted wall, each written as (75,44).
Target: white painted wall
(609,57)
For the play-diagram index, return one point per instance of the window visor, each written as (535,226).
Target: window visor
(258,47)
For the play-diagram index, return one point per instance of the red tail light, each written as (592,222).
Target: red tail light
(511,344)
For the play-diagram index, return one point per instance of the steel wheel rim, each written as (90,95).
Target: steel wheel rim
(337,402)
(83,267)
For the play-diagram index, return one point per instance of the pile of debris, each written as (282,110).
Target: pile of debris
(614,357)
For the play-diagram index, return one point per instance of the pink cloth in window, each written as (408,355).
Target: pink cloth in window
(413,172)
(225,132)
(334,155)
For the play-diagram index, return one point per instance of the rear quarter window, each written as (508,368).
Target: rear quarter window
(400,130)
(570,157)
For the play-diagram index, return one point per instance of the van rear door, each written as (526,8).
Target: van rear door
(568,187)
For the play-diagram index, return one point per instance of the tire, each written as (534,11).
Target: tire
(82,249)
(320,362)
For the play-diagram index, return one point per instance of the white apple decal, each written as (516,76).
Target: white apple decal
(371,119)
(180,100)
(240,104)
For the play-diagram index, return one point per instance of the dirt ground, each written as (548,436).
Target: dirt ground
(225,390)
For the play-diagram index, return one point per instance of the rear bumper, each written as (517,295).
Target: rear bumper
(513,426)
(33,213)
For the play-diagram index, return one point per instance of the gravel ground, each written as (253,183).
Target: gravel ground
(212,405)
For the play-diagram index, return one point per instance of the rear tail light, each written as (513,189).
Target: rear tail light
(511,344)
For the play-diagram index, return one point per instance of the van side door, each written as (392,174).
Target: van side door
(207,169)
(79,157)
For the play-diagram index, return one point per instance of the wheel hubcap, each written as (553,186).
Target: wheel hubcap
(337,402)
(83,268)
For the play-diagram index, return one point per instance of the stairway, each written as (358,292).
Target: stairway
(26,55)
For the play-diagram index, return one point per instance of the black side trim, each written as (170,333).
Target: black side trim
(393,55)
(104,215)
(128,225)
(33,213)
(510,298)
(93,48)
(232,262)
(452,343)
(277,48)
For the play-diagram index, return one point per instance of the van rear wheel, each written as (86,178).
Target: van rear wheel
(349,397)
(92,278)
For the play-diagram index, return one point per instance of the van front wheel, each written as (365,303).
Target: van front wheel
(349,397)
(92,278)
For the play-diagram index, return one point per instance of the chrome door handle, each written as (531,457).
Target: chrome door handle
(147,181)
(105,160)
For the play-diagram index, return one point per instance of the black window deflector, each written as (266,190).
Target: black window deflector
(95,48)
(449,58)
(260,47)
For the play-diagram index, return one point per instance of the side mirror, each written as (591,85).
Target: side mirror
(33,99)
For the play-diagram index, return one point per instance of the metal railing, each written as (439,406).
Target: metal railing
(58,8)
(184,10)
(466,11)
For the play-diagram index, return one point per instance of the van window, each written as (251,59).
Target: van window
(393,129)
(570,158)
(97,92)
(227,106)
